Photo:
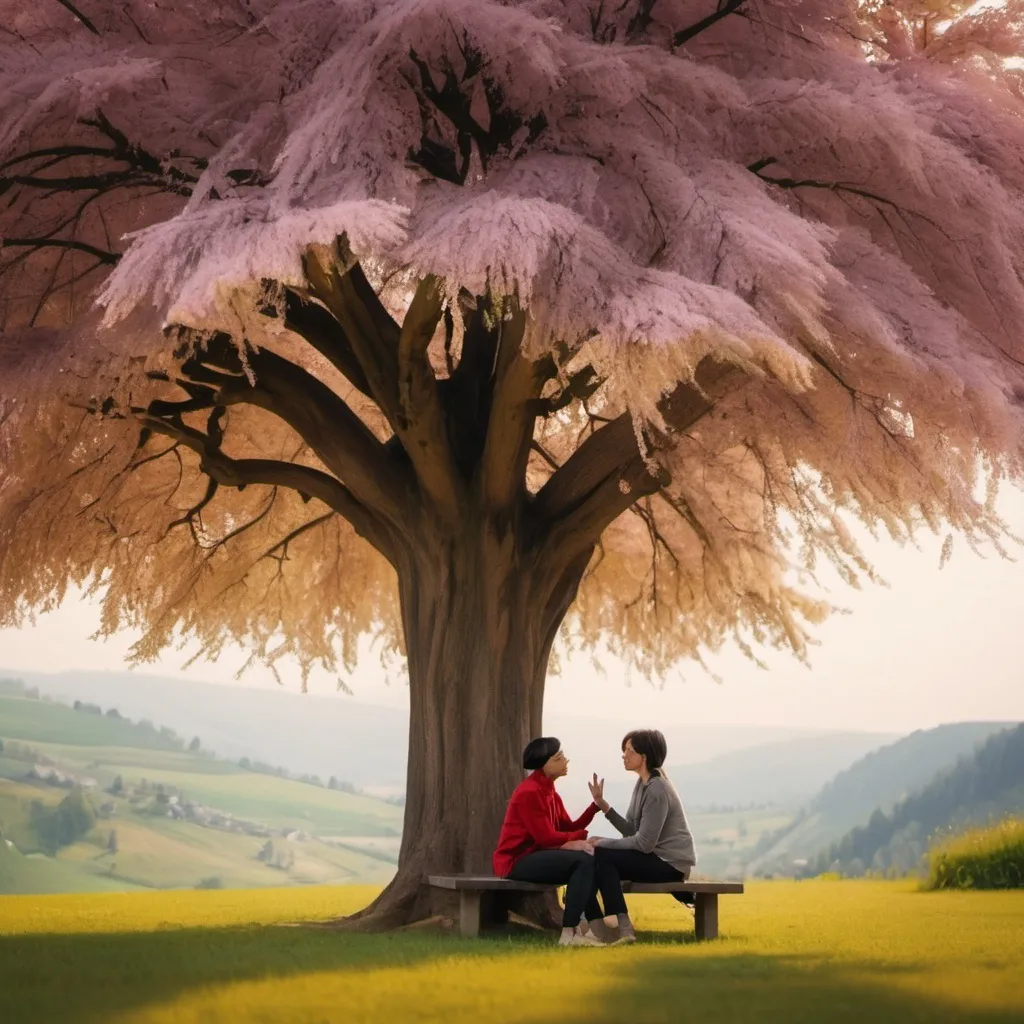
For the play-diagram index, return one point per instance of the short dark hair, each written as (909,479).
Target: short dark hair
(539,751)
(651,744)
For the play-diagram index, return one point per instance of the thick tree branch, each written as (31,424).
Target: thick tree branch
(512,415)
(338,437)
(371,332)
(315,325)
(394,361)
(74,182)
(304,480)
(593,461)
(607,473)
(422,426)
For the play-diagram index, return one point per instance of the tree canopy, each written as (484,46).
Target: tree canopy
(668,288)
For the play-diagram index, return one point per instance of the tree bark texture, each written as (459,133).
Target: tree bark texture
(479,623)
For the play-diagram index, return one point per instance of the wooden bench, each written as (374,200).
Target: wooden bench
(471,889)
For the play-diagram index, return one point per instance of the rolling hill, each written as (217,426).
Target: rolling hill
(366,744)
(877,781)
(168,817)
(981,787)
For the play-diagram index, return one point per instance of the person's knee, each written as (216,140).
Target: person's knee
(586,865)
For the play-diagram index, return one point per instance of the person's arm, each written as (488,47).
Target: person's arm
(625,826)
(538,823)
(649,827)
(565,822)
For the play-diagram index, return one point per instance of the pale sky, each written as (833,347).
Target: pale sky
(937,645)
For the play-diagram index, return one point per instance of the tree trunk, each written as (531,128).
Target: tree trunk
(479,618)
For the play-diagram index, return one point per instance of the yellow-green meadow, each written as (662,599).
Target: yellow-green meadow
(790,951)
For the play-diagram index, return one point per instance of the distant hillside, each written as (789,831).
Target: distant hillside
(879,780)
(305,733)
(92,801)
(781,774)
(980,787)
(366,744)
(46,722)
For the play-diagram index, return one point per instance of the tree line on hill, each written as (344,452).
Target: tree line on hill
(979,787)
(17,688)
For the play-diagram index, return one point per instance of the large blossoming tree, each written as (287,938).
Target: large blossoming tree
(452,322)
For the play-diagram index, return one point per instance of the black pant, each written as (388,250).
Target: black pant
(634,866)
(582,874)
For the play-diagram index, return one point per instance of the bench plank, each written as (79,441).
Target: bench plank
(471,889)
(491,883)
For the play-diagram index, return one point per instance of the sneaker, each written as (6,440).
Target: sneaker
(624,939)
(603,931)
(579,938)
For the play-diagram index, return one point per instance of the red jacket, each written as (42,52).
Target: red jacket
(536,819)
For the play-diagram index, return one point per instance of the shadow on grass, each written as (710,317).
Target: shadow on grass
(95,977)
(671,986)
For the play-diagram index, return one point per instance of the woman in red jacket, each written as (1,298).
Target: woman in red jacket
(540,843)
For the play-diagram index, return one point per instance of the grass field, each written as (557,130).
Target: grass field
(155,851)
(799,953)
(44,722)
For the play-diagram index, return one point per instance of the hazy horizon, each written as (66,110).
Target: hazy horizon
(937,645)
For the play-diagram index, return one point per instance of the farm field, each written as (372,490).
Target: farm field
(138,842)
(794,952)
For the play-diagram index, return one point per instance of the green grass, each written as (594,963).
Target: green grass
(157,852)
(280,802)
(983,858)
(138,760)
(267,799)
(37,721)
(36,873)
(796,953)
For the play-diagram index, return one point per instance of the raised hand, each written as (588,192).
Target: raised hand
(596,787)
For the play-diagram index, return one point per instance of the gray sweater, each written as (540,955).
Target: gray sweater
(655,823)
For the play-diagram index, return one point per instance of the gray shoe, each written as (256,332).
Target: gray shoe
(579,938)
(599,928)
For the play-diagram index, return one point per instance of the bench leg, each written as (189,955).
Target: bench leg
(469,913)
(706,915)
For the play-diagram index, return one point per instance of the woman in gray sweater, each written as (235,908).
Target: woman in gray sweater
(656,843)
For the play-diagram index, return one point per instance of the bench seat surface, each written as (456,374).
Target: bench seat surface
(491,883)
